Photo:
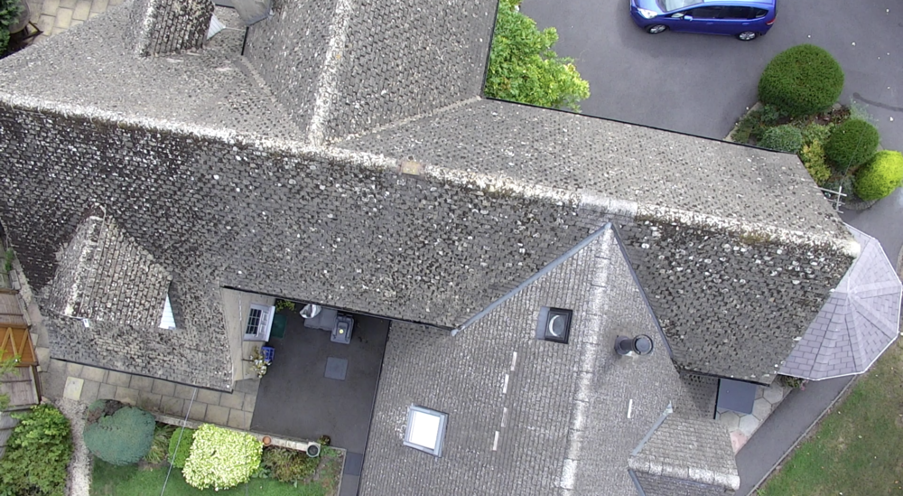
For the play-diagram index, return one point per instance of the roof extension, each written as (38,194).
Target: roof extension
(528,416)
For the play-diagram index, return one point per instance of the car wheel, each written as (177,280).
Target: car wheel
(656,28)
(747,36)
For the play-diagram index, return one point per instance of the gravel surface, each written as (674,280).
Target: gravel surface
(79,481)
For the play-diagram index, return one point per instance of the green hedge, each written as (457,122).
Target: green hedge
(177,458)
(878,178)
(784,138)
(803,80)
(852,143)
(37,454)
(122,438)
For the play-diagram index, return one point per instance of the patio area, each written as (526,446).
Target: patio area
(297,399)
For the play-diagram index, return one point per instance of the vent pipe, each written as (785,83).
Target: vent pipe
(638,345)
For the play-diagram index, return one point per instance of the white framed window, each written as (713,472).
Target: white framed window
(260,318)
(426,429)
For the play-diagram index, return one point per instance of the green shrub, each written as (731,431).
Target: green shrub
(784,138)
(177,458)
(37,453)
(852,143)
(524,68)
(221,458)
(160,444)
(802,80)
(880,176)
(284,305)
(813,157)
(755,123)
(287,465)
(816,132)
(122,438)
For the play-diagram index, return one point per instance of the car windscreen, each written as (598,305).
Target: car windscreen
(670,5)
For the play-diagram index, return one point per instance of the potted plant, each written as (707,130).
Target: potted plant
(14,16)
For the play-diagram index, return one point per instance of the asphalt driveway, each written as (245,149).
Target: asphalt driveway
(700,85)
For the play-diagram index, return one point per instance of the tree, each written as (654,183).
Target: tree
(524,68)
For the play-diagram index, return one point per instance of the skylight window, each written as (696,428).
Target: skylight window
(426,429)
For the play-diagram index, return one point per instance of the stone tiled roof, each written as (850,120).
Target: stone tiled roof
(344,67)
(631,163)
(104,275)
(372,177)
(857,323)
(685,456)
(105,303)
(566,416)
(93,70)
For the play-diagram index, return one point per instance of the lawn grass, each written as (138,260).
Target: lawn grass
(110,480)
(857,448)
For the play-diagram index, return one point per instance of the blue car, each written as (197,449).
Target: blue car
(743,19)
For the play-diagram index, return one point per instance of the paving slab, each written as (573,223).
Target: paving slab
(208,396)
(761,409)
(239,419)
(171,405)
(63,18)
(73,389)
(217,415)
(90,391)
(106,392)
(141,383)
(184,392)
(249,403)
(149,401)
(234,400)
(164,388)
(81,10)
(118,379)
(74,369)
(50,7)
(126,395)
(98,6)
(93,374)
(195,411)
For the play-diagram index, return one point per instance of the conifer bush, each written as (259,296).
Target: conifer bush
(851,143)
(803,80)
(122,438)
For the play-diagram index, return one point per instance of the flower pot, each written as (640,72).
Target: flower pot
(24,17)
(266,440)
(313,450)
